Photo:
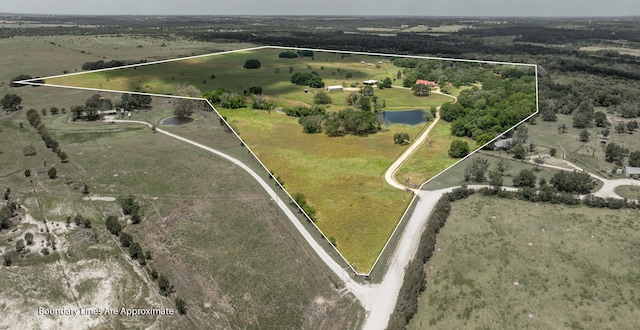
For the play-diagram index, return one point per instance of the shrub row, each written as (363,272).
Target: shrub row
(49,141)
(136,253)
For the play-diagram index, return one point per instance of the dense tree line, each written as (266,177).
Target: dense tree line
(101,64)
(482,113)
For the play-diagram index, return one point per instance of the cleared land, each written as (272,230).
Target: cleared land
(513,264)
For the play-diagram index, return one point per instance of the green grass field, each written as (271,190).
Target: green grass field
(512,264)
(429,160)
(628,192)
(341,177)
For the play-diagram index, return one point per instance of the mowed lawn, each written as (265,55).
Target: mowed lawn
(508,264)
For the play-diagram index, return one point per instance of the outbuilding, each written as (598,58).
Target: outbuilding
(370,82)
(336,88)
(632,171)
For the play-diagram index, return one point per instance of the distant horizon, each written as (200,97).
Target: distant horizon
(337,8)
(637,16)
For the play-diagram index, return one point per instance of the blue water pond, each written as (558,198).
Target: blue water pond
(406,117)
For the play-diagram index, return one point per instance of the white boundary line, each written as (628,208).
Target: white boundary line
(402,219)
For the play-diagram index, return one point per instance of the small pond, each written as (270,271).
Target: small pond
(174,121)
(407,117)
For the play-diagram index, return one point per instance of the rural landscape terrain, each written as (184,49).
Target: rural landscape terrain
(284,186)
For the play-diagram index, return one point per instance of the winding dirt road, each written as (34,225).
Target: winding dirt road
(390,173)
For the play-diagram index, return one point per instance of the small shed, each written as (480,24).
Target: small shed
(335,88)
(632,171)
(370,82)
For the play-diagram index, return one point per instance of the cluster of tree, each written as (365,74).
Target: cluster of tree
(628,127)
(288,54)
(130,102)
(615,153)
(11,102)
(573,182)
(21,77)
(349,121)
(301,200)
(476,170)
(420,90)
(254,90)
(262,102)
(34,119)
(385,83)
(91,108)
(483,113)
(305,53)
(184,107)
(252,64)
(634,159)
(101,64)
(458,149)
(6,213)
(134,248)
(113,225)
(226,99)
(401,138)
(307,79)
(302,111)
(130,206)
(525,179)
(445,72)
(322,97)
(79,220)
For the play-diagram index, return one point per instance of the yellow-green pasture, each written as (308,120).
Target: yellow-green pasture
(342,177)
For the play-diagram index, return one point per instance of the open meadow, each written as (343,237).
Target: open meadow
(502,263)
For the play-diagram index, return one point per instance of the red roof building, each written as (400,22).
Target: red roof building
(426,82)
